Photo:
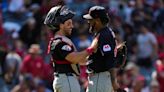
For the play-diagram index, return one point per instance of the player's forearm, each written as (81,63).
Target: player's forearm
(76,57)
(113,73)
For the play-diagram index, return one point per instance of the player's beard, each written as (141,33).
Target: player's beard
(67,32)
(92,28)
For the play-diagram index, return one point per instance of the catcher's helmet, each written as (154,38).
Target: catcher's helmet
(56,15)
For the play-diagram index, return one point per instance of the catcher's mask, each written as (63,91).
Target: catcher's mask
(57,15)
(97,12)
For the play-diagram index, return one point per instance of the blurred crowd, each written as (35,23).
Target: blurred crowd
(25,65)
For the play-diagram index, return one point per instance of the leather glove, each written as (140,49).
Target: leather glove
(121,55)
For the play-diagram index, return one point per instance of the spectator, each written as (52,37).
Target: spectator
(26,84)
(147,47)
(138,84)
(160,71)
(33,63)
(154,86)
(3,85)
(129,37)
(131,72)
(19,47)
(12,68)
(41,87)
(29,33)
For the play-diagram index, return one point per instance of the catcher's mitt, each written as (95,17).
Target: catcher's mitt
(121,55)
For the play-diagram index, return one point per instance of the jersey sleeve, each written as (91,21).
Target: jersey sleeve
(107,45)
(62,49)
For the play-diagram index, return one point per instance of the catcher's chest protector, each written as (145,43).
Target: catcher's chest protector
(58,39)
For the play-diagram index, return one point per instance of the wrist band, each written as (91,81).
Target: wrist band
(89,50)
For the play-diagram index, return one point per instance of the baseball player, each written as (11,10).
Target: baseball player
(101,64)
(64,55)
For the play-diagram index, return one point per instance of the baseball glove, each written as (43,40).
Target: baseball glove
(121,55)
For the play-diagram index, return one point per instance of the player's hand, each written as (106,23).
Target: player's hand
(120,90)
(115,85)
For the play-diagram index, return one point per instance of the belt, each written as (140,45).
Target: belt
(63,74)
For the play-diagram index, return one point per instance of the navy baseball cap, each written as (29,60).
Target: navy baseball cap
(96,12)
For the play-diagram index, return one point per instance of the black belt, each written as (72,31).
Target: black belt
(67,74)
